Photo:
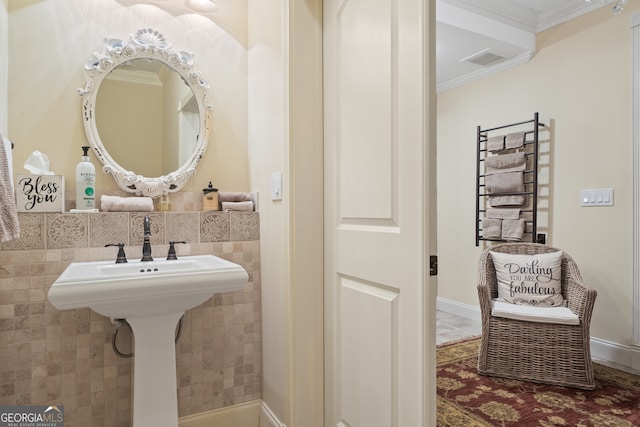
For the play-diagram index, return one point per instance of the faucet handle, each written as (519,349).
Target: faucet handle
(146,225)
(172,250)
(121,257)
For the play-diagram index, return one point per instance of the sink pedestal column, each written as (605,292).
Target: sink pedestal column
(155,393)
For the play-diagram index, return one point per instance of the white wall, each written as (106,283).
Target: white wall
(268,152)
(580,78)
(285,134)
(49,42)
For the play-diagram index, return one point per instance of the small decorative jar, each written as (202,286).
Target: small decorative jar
(210,198)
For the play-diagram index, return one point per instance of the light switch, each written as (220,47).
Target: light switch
(276,186)
(597,197)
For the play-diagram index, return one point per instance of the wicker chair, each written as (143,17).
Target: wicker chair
(540,352)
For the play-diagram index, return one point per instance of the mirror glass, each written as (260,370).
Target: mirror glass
(147,117)
(145,112)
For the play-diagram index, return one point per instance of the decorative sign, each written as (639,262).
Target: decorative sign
(40,193)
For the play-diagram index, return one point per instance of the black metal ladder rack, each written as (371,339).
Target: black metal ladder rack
(531,150)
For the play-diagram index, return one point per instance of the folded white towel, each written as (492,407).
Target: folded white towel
(501,213)
(237,206)
(126,204)
(505,163)
(9,224)
(514,140)
(495,143)
(229,196)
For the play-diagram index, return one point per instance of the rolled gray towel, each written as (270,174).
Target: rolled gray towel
(229,196)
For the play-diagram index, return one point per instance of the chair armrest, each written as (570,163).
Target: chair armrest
(487,284)
(580,297)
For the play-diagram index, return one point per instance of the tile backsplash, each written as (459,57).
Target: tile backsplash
(53,357)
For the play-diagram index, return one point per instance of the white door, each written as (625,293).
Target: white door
(379,222)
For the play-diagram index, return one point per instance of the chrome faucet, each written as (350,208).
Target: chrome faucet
(146,246)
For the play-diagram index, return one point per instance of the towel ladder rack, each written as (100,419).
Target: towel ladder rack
(529,210)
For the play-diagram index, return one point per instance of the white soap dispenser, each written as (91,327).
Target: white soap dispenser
(85,182)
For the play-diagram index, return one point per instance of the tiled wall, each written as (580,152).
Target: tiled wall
(52,357)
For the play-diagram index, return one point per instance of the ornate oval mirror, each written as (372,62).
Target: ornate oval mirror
(146,113)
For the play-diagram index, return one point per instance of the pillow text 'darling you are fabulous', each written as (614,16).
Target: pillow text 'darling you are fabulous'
(529,279)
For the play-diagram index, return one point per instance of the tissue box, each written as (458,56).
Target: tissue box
(40,193)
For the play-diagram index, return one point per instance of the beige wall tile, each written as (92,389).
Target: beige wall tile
(48,355)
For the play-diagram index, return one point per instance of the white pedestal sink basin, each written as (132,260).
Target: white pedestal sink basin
(152,296)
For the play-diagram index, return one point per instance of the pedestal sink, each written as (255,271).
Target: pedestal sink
(152,296)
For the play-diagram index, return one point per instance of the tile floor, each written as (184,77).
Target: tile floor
(451,327)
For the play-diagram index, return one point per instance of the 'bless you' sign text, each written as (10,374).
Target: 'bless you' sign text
(40,193)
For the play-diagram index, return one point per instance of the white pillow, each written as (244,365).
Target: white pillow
(529,279)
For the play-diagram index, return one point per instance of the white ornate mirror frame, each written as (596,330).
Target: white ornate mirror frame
(148,44)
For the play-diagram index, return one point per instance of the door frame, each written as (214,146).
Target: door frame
(306,187)
(304,75)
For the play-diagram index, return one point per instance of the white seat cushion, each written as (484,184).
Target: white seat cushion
(557,315)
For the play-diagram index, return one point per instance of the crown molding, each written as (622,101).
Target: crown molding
(523,58)
(526,18)
(565,12)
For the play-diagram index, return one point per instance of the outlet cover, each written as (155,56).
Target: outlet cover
(596,197)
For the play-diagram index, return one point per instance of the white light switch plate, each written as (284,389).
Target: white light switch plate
(597,197)
(276,186)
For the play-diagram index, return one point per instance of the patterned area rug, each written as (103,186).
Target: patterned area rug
(467,399)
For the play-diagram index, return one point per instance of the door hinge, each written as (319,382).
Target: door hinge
(433,265)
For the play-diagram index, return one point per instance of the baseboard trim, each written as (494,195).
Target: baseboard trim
(246,414)
(608,351)
(249,414)
(612,352)
(268,418)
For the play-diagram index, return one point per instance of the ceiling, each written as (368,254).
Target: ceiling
(475,38)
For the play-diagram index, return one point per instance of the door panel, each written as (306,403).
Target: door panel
(379,299)
(365,126)
(369,353)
